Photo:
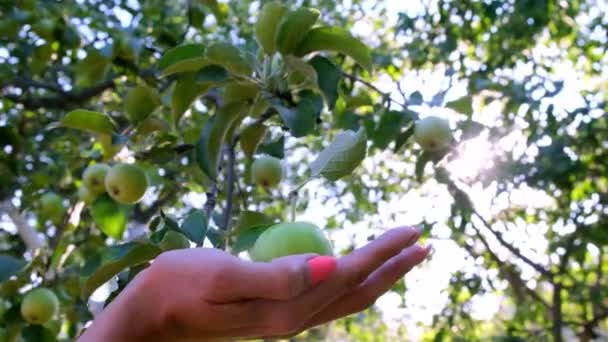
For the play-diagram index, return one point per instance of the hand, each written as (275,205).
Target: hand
(207,294)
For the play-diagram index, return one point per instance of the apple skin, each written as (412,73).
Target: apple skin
(86,195)
(290,238)
(433,133)
(173,240)
(39,305)
(126,183)
(267,171)
(94,177)
(51,207)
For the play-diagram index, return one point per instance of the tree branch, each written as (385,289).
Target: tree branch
(386,96)
(539,268)
(64,100)
(28,233)
(230,179)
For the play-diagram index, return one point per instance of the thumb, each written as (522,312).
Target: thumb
(287,277)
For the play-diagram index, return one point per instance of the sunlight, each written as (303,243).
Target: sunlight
(473,157)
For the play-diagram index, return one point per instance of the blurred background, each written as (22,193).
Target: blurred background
(517,212)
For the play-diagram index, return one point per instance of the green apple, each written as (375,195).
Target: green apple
(51,207)
(173,240)
(433,133)
(94,177)
(289,239)
(267,171)
(39,305)
(126,183)
(86,195)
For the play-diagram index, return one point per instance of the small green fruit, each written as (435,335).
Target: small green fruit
(290,239)
(267,171)
(39,306)
(86,195)
(433,133)
(94,178)
(173,240)
(126,183)
(51,207)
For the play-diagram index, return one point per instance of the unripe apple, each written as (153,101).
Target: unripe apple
(51,207)
(94,177)
(289,239)
(86,195)
(173,240)
(39,306)
(126,183)
(433,133)
(267,171)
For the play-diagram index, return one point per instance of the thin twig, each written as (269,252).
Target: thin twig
(230,179)
(386,96)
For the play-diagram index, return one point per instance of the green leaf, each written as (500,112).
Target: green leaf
(247,238)
(118,258)
(329,76)
(216,237)
(214,134)
(389,127)
(251,219)
(240,91)
(140,102)
(325,38)
(229,57)
(251,137)
(186,65)
(180,53)
(463,105)
(403,138)
(10,266)
(185,91)
(37,333)
(471,129)
(300,72)
(292,29)
(212,74)
(302,119)
(415,99)
(195,226)
(267,23)
(342,156)
(421,162)
(274,148)
(88,121)
(109,216)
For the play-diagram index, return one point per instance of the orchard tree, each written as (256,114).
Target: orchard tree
(128,128)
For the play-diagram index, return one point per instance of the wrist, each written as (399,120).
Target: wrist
(134,315)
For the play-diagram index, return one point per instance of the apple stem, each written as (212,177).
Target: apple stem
(293,199)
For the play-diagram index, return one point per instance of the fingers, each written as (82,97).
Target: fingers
(280,279)
(286,317)
(374,286)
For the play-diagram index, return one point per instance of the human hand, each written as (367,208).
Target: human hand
(207,294)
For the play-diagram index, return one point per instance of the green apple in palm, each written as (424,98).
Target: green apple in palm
(290,238)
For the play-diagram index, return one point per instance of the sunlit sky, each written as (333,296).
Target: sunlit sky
(425,296)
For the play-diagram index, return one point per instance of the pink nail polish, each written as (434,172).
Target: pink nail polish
(320,268)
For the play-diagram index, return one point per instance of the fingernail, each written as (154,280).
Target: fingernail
(320,268)
(429,249)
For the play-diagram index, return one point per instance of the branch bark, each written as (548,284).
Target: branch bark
(26,232)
